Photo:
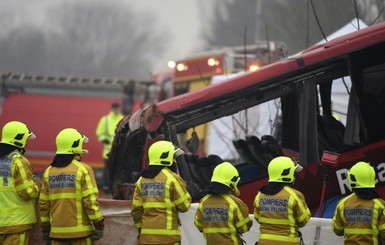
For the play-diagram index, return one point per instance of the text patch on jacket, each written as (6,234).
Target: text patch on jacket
(358,215)
(273,205)
(61,181)
(153,189)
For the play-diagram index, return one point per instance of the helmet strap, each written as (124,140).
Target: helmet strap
(78,156)
(22,150)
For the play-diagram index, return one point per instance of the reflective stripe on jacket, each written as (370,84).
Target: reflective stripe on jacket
(106,130)
(69,200)
(17,191)
(280,215)
(222,218)
(156,204)
(361,221)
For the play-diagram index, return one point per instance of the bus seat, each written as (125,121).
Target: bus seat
(244,152)
(271,145)
(334,130)
(190,176)
(209,162)
(255,146)
(200,174)
(330,133)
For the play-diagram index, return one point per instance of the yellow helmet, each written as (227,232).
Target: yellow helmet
(362,175)
(16,133)
(162,153)
(70,141)
(226,174)
(281,169)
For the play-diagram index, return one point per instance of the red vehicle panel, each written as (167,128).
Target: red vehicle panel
(46,115)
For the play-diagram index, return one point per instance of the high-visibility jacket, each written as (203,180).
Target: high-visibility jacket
(222,218)
(156,204)
(17,194)
(361,221)
(69,200)
(280,215)
(106,130)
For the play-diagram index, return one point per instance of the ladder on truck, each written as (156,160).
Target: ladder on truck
(68,85)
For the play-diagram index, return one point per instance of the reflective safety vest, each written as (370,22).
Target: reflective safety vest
(106,130)
(69,200)
(280,215)
(360,221)
(17,191)
(155,207)
(222,218)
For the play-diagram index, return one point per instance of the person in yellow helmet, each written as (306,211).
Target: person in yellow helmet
(105,133)
(18,189)
(221,216)
(159,196)
(69,208)
(360,217)
(280,209)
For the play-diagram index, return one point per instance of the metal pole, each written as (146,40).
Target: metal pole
(258,21)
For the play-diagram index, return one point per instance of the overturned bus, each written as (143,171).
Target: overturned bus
(326,108)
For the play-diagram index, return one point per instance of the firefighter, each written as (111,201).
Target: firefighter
(105,133)
(18,189)
(158,197)
(280,209)
(221,216)
(360,217)
(69,208)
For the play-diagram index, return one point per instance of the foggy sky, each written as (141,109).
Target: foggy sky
(31,31)
(131,38)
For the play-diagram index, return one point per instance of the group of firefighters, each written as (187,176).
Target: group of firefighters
(67,194)
(222,217)
(67,198)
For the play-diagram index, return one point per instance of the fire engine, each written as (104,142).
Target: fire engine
(195,72)
(47,104)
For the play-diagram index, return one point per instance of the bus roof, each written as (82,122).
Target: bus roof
(314,55)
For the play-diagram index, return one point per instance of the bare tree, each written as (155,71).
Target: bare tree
(230,22)
(23,49)
(85,38)
(371,11)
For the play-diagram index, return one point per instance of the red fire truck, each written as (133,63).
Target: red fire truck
(195,72)
(48,104)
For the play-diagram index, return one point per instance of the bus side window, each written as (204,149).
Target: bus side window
(373,102)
